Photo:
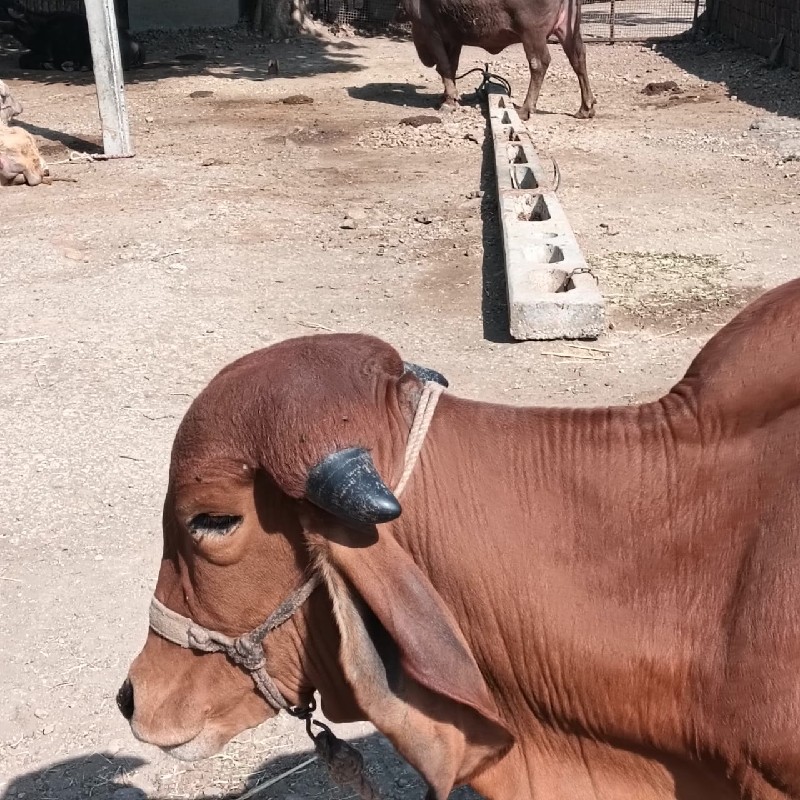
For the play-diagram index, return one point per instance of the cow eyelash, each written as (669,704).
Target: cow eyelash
(213,524)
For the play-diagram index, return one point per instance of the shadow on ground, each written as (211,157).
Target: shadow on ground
(228,54)
(494,298)
(744,73)
(396,94)
(98,775)
(102,776)
(410,95)
(91,146)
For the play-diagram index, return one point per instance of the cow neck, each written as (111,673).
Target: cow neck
(552,503)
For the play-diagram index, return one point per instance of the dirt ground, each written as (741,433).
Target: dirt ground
(244,220)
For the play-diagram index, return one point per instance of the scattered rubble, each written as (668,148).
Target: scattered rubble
(464,128)
(781,135)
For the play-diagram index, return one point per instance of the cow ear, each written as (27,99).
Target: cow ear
(405,657)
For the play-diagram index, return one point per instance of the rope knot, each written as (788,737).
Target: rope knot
(198,637)
(248,652)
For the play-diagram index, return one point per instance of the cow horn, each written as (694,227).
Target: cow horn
(426,374)
(347,485)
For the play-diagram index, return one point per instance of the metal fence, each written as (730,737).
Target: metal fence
(603,20)
(51,6)
(359,13)
(637,20)
(60,6)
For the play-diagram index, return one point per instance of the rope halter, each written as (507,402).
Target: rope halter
(247,650)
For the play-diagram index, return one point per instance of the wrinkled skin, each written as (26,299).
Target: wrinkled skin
(441,28)
(574,603)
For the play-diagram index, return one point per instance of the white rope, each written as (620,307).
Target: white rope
(419,429)
(80,158)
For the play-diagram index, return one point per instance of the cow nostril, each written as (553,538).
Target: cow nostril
(125,699)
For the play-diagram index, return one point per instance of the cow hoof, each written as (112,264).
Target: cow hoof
(447,106)
(523,113)
(585,113)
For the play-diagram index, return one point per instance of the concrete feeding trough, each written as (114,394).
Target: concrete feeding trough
(551,294)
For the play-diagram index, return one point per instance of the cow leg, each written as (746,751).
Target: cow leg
(568,32)
(449,72)
(538,54)
(433,52)
(576,53)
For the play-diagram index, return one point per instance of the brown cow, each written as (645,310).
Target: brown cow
(440,28)
(574,603)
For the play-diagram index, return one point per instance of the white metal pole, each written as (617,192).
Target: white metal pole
(108,78)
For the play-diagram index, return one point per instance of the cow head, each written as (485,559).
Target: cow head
(282,467)
(9,106)
(20,160)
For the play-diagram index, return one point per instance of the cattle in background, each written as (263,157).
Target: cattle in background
(9,106)
(440,28)
(20,160)
(581,603)
(61,41)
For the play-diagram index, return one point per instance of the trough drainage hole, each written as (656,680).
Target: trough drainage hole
(567,286)
(516,155)
(534,210)
(551,254)
(523,178)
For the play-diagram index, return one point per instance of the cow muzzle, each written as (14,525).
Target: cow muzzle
(186,734)
(246,651)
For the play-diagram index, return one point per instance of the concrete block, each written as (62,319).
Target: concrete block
(555,305)
(177,14)
(551,294)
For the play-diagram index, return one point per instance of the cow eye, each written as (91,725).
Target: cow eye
(213,524)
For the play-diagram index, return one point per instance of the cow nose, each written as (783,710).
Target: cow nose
(125,699)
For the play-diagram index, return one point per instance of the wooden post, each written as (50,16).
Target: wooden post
(108,78)
(612,21)
(695,17)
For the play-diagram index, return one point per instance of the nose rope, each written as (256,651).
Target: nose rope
(247,650)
